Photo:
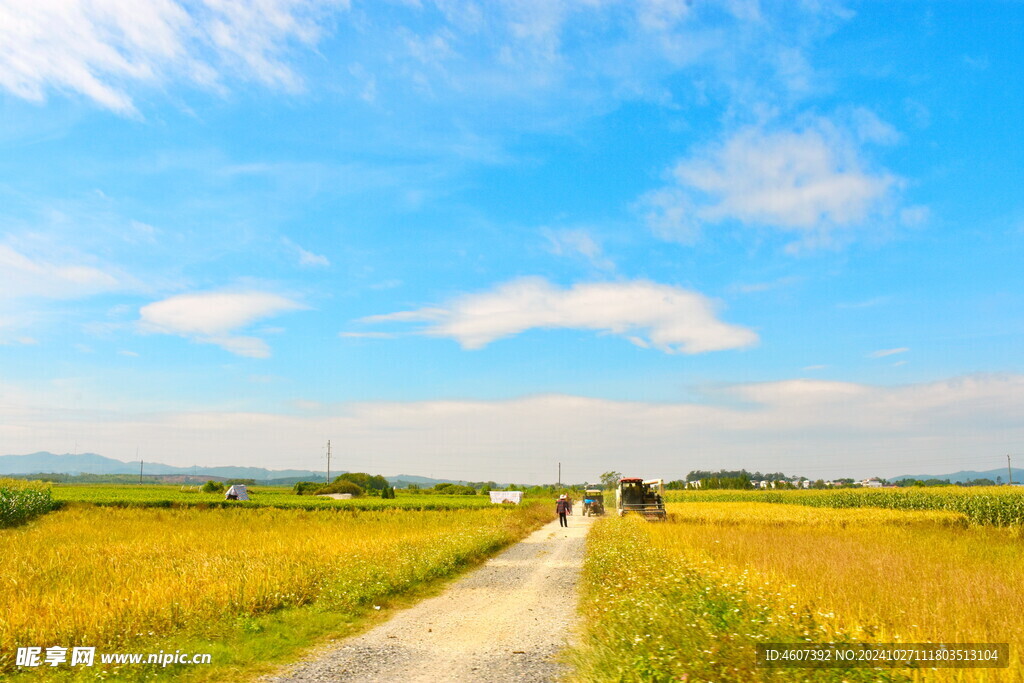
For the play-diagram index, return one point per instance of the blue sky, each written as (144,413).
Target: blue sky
(473,240)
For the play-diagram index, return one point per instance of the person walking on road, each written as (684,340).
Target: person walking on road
(562,507)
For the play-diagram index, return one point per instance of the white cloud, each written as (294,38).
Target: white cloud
(791,180)
(812,428)
(213,317)
(671,319)
(882,353)
(98,48)
(808,181)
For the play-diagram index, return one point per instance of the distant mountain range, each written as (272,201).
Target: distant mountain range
(966,475)
(91,463)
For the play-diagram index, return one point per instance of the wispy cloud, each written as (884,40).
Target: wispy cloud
(810,181)
(671,214)
(37,276)
(578,243)
(556,61)
(100,48)
(23,341)
(214,317)
(868,127)
(366,335)
(306,257)
(913,216)
(882,353)
(867,303)
(756,287)
(980,63)
(668,318)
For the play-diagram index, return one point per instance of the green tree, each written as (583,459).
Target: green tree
(342,486)
(305,488)
(454,489)
(364,481)
(609,480)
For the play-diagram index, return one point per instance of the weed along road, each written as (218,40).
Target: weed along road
(506,620)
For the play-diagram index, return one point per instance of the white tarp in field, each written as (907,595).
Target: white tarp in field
(238,490)
(510,496)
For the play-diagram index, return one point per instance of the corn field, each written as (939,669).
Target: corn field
(20,502)
(991,505)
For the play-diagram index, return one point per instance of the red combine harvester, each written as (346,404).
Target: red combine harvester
(640,497)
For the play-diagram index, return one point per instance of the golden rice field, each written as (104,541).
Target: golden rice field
(688,599)
(107,577)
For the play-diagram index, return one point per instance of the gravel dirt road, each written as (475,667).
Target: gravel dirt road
(504,621)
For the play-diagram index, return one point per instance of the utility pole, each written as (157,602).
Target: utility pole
(328,461)
(140,471)
(1009,470)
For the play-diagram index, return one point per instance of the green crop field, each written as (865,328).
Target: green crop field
(148,495)
(996,505)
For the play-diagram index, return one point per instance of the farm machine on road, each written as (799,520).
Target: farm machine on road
(593,502)
(641,497)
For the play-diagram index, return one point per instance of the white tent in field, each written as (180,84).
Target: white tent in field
(506,496)
(237,492)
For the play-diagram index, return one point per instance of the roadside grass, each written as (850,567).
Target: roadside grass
(690,599)
(652,615)
(261,645)
(248,585)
